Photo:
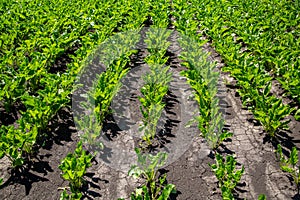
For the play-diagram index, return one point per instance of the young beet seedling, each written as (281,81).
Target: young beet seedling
(262,197)
(226,174)
(17,144)
(143,193)
(91,130)
(153,189)
(271,112)
(74,167)
(290,165)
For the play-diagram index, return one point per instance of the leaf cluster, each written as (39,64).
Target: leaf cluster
(227,175)
(147,168)
(290,164)
(73,168)
(248,49)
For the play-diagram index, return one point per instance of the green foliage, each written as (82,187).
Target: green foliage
(143,193)
(91,129)
(297,115)
(154,89)
(290,164)
(249,49)
(73,168)
(114,54)
(148,168)
(76,195)
(270,111)
(227,175)
(31,71)
(203,78)
(159,13)
(262,197)
(17,144)
(148,165)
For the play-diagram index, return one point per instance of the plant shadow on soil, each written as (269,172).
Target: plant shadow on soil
(173,196)
(284,139)
(23,176)
(59,129)
(11,116)
(38,168)
(92,182)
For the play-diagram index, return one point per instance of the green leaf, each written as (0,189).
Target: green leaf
(267,89)
(294,156)
(297,115)
(168,189)
(262,197)
(64,195)
(287,169)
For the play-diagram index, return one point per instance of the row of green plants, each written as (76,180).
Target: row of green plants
(253,79)
(155,82)
(155,88)
(224,168)
(203,77)
(201,74)
(28,59)
(269,33)
(114,55)
(272,38)
(53,90)
(221,22)
(34,39)
(74,167)
(106,85)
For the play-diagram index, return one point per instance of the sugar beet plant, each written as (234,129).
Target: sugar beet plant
(147,168)
(290,164)
(73,168)
(201,75)
(227,175)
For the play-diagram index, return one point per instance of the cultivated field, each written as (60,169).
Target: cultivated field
(149,100)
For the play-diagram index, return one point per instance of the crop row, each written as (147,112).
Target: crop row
(249,51)
(253,80)
(203,78)
(268,34)
(38,35)
(27,68)
(154,90)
